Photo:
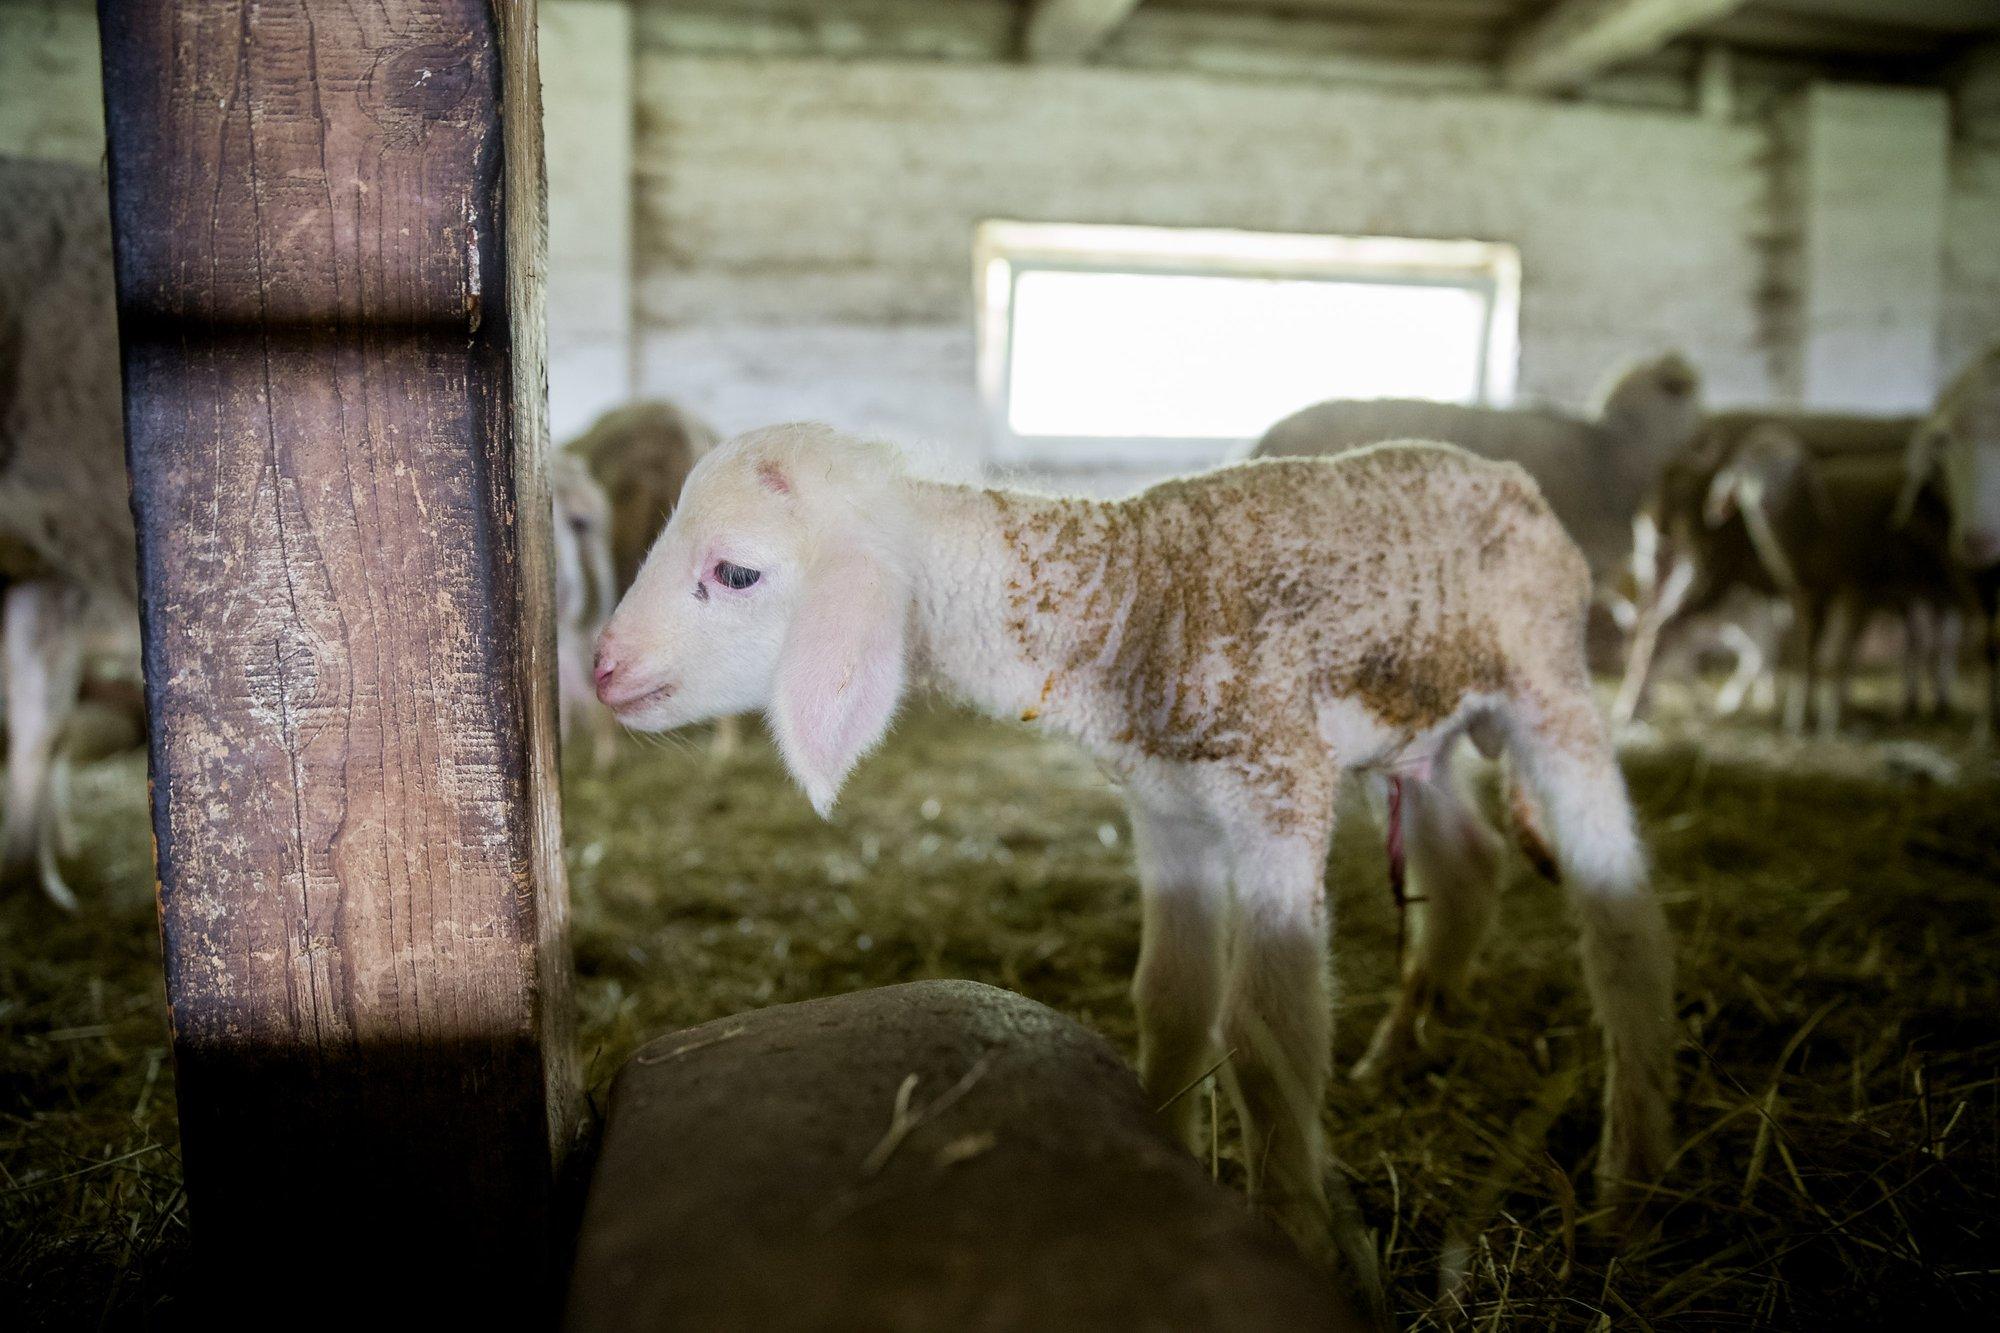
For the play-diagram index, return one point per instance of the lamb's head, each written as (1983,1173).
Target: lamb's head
(1655,403)
(781,583)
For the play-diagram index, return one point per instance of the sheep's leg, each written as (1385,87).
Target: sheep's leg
(1278,1023)
(1947,632)
(1919,644)
(1989,607)
(1851,618)
(574,693)
(1808,622)
(1184,891)
(43,649)
(1749,668)
(1567,760)
(1653,619)
(1453,893)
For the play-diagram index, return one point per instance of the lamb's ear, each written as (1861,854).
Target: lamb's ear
(840,673)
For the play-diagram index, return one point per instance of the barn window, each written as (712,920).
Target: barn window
(1167,347)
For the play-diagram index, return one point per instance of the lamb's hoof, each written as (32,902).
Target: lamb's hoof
(1629,1167)
(1330,1235)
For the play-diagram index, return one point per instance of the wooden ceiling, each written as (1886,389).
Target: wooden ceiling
(1554,43)
(1546,46)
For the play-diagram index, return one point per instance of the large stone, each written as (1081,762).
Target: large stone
(750,1179)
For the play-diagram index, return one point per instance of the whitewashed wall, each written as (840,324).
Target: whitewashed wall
(805,228)
(1972,250)
(586,58)
(803,222)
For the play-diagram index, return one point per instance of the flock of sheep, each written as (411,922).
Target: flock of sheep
(1231,646)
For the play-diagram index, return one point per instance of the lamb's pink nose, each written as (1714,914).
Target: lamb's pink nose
(606,675)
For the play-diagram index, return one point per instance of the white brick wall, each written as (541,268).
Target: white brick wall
(830,195)
(1872,211)
(586,59)
(804,224)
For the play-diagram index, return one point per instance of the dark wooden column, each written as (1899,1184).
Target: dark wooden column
(329,240)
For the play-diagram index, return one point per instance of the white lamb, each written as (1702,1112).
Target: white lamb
(1228,645)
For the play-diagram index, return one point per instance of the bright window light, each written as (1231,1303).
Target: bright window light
(1171,356)
(1153,346)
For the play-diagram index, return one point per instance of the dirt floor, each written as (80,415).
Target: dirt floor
(1840,984)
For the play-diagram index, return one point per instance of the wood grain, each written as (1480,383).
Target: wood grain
(329,240)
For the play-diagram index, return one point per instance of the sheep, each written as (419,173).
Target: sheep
(1593,473)
(1694,552)
(614,486)
(585,588)
(641,454)
(1228,646)
(1686,566)
(1956,453)
(1825,524)
(67,549)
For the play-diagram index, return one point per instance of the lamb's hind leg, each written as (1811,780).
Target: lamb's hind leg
(1566,757)
(1453,892)
(1184,889)
(1277,1019)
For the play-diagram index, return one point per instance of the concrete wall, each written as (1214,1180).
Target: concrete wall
(835,202)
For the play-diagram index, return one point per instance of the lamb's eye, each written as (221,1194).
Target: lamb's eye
(579,525)
(735,576)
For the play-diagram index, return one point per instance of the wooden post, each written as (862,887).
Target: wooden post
(329,235)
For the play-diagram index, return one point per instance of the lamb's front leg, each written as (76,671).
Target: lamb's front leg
(1184,888)
(1277,1020)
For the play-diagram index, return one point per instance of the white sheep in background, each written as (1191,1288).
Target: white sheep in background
(1594,472)
(1957,455)
(586,588)
(1825,527)
(614,486)
(1228,645)
(67,551)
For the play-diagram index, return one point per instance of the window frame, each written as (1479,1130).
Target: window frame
(1003,249)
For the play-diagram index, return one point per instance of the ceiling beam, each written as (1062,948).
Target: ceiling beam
(1581,38)
(1070,30)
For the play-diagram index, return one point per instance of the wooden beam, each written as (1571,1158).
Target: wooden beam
(328,226)
(1062,31)
(1582,38)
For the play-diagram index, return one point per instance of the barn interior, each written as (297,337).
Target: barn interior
(1085,245)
